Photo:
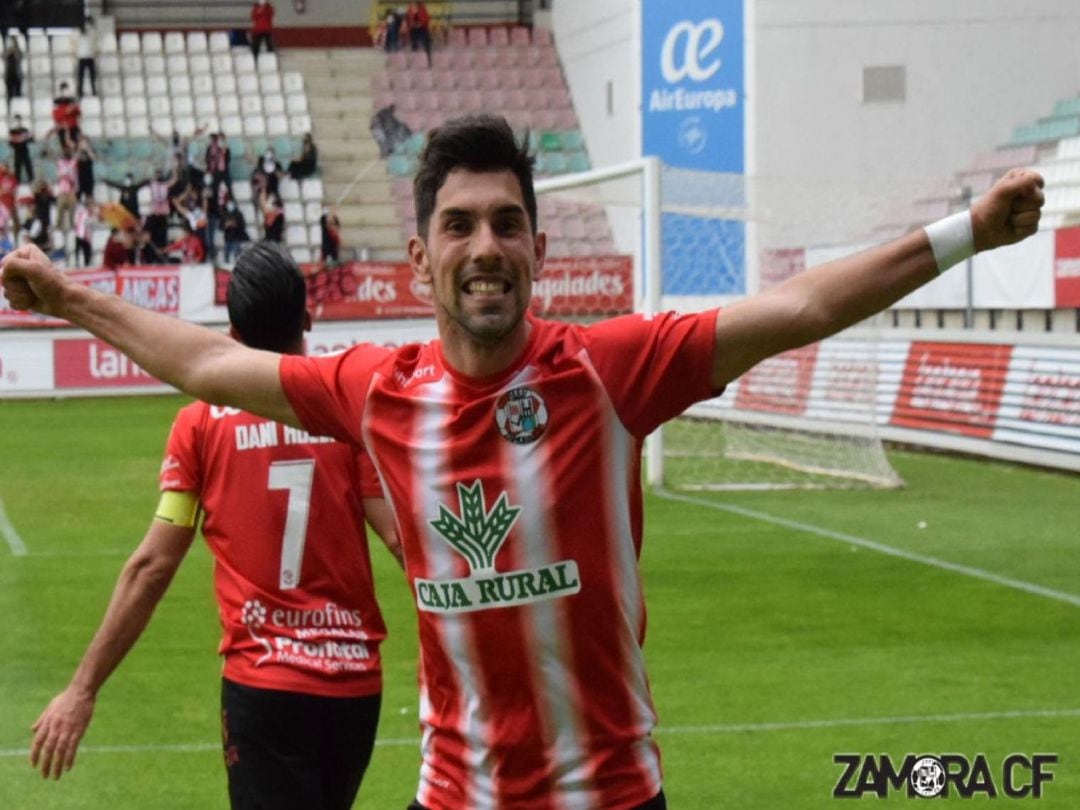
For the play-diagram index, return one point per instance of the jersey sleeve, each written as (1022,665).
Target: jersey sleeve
(370,487)
(181,469)
(654,368)
(327,392)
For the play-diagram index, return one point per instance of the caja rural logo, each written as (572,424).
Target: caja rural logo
(927,776)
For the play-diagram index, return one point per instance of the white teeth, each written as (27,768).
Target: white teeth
(485,287)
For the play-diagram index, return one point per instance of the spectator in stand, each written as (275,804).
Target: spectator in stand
(217,159)
(7,243)
(418,21)
(262,26)
(146,252)
(157,221)
(8,186)
(66,117)
(392,25)
(116,252)
(273,216)
(213,197)
(13,74)
(129,192)
(86,49)
(180,152)
(189,246)
(84,162)
(39,226)
(19,138)
(305,165)
(267,173)
(190,208)
(234,229)
(65,188)
(84,224)
(330,226)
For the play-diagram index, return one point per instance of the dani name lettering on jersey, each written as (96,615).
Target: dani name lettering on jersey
(266,433)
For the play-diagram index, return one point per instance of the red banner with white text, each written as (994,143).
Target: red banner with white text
(1067,268)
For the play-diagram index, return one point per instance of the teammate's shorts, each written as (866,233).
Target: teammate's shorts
(657,802)
(286,750)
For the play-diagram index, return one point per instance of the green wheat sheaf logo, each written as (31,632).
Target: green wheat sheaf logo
(477,535)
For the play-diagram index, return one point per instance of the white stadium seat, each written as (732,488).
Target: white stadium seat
(177,64)
(107,43)
(302,255)
(244,62)
(242,190)
(228,105)
(157,86)
(200,64)
(138,127)
(131,64)
(160,107)
(300,125)
(19,106)
(289,189)
(219,41)
(270,83)
(183,105)
(110,86)
(311,189)
(180,85)
(112,107)
(251,105)
(174,42)
(315,234)
(196,42)
(108,64)
(267,62)
(151,42)
(273,104)
(162,127)
(40,65)
(295,235)
(293,82)
(205,105)
(61,44)
(136,106)
(134,86)
(254,126)
(129,42)
(277,125)
(221,63)
(154,64)
(63,67)
(37,44)
(91,127)
(296,104)
(247,84)
(202,85)
(225,83)
(232,125)
(91,106)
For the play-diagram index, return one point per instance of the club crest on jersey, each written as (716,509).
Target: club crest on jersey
(477,533)
(521,415)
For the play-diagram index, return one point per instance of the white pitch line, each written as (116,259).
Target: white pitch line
(15,543)
(881,548)
(707,729)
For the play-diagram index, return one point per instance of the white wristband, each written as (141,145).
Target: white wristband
(951,240)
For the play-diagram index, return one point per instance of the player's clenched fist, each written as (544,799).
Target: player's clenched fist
(1009,211)
(30,281)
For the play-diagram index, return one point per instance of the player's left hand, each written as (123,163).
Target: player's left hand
(1009,211)
(58,731)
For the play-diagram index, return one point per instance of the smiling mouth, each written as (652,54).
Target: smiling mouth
(483,286)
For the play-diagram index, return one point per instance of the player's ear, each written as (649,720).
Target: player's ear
(539,252)
(418,259)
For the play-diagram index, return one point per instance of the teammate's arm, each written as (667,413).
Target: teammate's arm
(143,581)
(381,518)
(199,361)
(826,299)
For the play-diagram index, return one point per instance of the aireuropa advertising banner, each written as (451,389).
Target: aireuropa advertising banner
(1067,268)
(693,117)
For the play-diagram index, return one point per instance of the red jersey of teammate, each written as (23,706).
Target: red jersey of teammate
(285,522)
(518,500)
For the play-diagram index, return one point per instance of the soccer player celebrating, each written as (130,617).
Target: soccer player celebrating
(509,449)
(284,519)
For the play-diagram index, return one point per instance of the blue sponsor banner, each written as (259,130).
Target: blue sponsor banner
(693,117)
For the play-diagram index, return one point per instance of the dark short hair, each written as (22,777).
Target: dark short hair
(267,297)
(478,143)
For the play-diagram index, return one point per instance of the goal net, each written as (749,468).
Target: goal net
(689,240)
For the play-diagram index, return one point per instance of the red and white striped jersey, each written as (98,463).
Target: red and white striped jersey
(285,522)
(518,501)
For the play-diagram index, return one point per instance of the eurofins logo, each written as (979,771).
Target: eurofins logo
(521,416)
(477,534)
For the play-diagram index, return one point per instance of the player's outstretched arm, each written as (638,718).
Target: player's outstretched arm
(199,361)
(826,299)
(142,583)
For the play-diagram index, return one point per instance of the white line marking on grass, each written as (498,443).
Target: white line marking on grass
(881,548)
(15,543)
(706,729)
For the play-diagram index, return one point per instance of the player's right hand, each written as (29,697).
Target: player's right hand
(58,732)
(30,281)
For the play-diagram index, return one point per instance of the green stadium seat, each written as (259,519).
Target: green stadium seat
(578,162)
(401,165)
(573,140)
(551,142)
(1067,107)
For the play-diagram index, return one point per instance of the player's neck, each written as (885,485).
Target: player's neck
(474,358)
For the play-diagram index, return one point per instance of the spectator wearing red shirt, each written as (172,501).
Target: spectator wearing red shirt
(418,21)
(8,185)
(262,26)
(66,116)
(189,245)
(116,254)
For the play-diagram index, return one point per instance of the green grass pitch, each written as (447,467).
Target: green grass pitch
(779,635)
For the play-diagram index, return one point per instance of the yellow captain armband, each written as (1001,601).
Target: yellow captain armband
(178,508)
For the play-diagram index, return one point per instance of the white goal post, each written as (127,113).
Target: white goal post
(752,437)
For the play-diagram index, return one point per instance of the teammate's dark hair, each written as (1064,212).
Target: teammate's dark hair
(479,143)
(266,299)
